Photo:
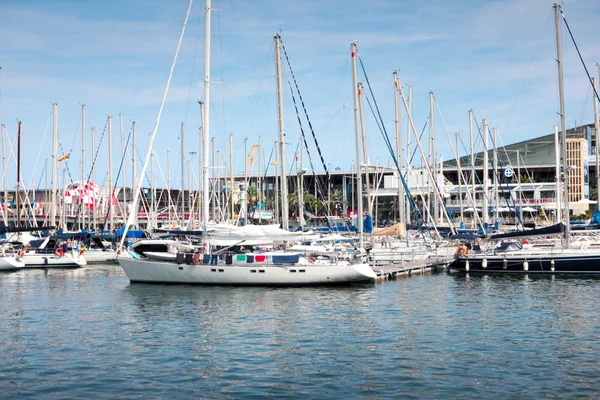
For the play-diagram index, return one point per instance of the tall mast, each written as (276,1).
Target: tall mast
(558,180)
(54,163)
(93,201)
(364,147)
(495,161)
(433,199)
(4,163)
(17,194)
(284,189)
(399,154)
(472,149)
(597,131)
(82,184)
(563,128)
(182,136)
(231,174)
(459,169)
(134,210)
(110,178)
(485,174)
(124,206)
(206,117)
(359,194)
(169,188)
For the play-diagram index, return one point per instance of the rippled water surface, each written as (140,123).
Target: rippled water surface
(88,333)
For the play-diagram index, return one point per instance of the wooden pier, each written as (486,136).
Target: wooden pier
(394,271)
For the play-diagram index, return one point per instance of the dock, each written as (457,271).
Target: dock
(407,269)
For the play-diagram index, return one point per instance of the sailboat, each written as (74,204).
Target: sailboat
(221,265)
(512,252)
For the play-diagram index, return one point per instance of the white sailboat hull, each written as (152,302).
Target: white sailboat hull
(36,260)
(150,271)
(100,256)
(9,263)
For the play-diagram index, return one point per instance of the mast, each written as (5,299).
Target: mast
(433,182)
(398,125)
(364,147)
(93,201)
(301,194)
(359,194)
(231,174)
(4,164)
(17,194)
(485,174)
(458,166)
(563,128)
(495,161)
(169,188)
(408,151)
(82,216)
(123,187)
(134,209)
(520,188)
(472,149)
(54,163)
(597,131)
(182,172)
(111,209)
(558,180)
(206,118)
(284,189)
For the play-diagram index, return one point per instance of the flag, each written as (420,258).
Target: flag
(338,168)
(65,157)
(251,156)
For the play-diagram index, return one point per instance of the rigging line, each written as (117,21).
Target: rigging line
(390,149)
(418,216)
(579,53)
(156,124)
(303,136)
(306,114)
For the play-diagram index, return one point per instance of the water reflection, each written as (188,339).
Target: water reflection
(90,333)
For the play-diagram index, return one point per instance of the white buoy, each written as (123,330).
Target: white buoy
(504,263)
(525,266)
(484,263)
(467,265)
(552,265)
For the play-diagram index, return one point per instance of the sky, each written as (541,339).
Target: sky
(495,57)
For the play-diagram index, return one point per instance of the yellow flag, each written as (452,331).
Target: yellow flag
(251,156)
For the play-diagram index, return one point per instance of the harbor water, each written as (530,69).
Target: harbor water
(88,333)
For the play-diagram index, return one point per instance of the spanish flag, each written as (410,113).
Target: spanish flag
(65,157)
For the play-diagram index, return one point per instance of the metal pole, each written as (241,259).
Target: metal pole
(83,183)
(284,190)
(596,130)
(93,201)
(485,173)
(359,193)
(54,163)
(563,128)
(458,166)
(17,194)
(110,178)
(398,124)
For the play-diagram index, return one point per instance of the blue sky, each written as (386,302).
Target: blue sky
(496,57)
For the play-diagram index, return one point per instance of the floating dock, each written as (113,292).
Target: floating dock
(394,271)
